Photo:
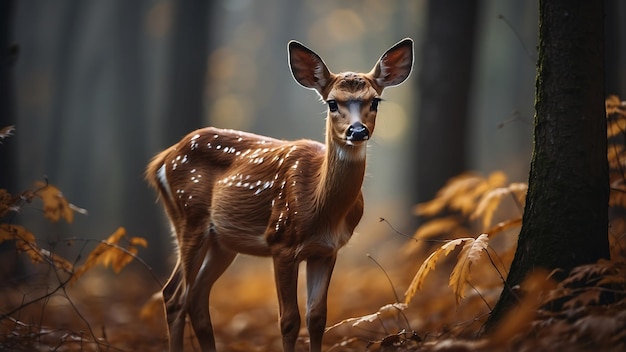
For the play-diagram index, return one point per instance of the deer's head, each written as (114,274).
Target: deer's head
(352,98)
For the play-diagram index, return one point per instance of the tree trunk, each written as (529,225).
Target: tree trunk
(615,47)
(7,96)
(188,63)
(8,153)
(565,219)
(444,83)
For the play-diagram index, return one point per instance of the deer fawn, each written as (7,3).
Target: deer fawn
(228,192)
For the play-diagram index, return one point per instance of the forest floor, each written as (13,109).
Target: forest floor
(104,299)
(115,310)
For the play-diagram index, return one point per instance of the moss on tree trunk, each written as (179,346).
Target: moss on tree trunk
(565,218)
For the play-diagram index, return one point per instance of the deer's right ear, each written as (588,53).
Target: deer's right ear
(307,67)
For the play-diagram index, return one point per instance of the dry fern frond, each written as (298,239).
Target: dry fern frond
(585,283)
(429,265)
(490,201)
(488,205)
(503,226)
(111,253)
(457,185)
(461,273)
(610,280)
(385,312)
(460,193)
(466,202)
(449,226)
(588,273)
(588,296)
(435,227)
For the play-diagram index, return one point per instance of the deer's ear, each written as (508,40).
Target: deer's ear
(395,65)
(307,67)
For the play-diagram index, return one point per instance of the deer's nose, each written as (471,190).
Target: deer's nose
(357,132)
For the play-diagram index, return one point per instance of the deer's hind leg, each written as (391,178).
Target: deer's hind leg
(192,248)
(214,263)
(173,299)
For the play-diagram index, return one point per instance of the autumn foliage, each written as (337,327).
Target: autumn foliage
(117,251)
(452,272)
(482,216)
(111,252)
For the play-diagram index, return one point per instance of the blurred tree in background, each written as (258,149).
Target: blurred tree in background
(446,72)
(8,56)
(101,86)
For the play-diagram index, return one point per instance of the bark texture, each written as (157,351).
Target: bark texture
(565,219)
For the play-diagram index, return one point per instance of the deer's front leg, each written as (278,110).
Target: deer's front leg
(318,273)
(286,276)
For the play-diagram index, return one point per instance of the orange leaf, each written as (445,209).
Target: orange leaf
(15,232)
(5,202)
(25,242)
(55,206)
(111,253)
(139,241)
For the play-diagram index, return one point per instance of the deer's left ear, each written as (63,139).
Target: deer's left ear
(395,65)
(307,67)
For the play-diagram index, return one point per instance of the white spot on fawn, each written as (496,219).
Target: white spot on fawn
(194,143)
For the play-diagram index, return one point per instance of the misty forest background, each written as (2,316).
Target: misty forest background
(102,86)
(96,88)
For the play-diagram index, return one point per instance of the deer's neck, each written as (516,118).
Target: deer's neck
(342,173)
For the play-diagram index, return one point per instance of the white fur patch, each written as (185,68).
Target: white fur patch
(352,152)
(162,176)
(355,111)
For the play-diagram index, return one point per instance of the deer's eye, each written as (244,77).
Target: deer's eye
(374,106)
(332,105)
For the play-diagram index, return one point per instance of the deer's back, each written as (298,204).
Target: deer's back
(246,186)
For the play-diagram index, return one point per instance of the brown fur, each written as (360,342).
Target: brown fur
(227,192)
